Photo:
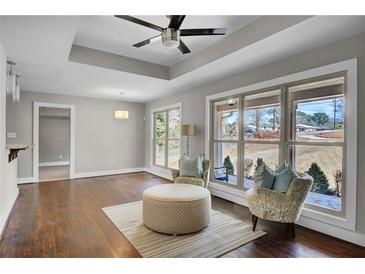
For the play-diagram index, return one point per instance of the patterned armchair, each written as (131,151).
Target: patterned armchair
(199,181)
(275,206)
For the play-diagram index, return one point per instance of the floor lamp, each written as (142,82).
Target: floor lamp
(188,130)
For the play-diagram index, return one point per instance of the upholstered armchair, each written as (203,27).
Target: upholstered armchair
(199,181)
(281,207)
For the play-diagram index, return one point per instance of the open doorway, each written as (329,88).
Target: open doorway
(53,142)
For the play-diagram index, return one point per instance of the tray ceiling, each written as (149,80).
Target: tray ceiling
(113,35)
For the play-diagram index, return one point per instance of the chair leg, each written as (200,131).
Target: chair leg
(254,222)
(291,229)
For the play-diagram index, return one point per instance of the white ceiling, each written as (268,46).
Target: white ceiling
(41,46)
(114,35)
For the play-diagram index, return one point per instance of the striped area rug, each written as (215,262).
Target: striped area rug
(222,235)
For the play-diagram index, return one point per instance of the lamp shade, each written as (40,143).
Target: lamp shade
(121,114)
(188,130)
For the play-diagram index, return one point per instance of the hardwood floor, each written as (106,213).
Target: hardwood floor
(64,219)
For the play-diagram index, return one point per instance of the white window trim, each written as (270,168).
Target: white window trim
(163,108)
(350,66)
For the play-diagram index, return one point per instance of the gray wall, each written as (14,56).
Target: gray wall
(54,135)
(102,143)
(193,101)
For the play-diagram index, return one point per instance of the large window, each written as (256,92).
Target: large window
(166,138)
(301,123)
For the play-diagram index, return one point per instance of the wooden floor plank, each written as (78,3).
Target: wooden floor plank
(64,219)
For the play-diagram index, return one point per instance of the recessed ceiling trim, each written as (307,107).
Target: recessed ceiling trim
(112,61)
(259,29)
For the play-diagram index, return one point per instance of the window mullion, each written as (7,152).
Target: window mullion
(167,139)
(283,125)
(241,145)
(154,140)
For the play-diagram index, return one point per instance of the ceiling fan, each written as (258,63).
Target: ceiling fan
(170,36)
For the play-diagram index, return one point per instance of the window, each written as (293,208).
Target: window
(166,138)
(316,142)
(301,123)
(226,141)
(261,131)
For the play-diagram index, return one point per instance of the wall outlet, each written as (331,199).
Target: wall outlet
(11,134)
(60,156)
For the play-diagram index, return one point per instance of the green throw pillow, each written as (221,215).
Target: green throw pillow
(283,179)
(278,180)
(191,167)
(264,176)
(282,167)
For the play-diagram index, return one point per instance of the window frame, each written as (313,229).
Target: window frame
(166,139)
(349,69)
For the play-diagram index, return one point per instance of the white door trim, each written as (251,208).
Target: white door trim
(36,106)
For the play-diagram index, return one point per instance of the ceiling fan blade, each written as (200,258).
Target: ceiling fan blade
(139,22)
(176,21)
(199,32)
(183,48)
(147,41)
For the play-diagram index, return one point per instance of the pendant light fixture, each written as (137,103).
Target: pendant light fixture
(12,82)
(16,94)
(121,114)
(231,102)
(11,78)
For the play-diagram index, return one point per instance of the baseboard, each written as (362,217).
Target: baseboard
(60,163)
(238,197)
(5,218)
(30,180)
(108,172)
(161,172)
(25,180)
(227,196)
(334,231)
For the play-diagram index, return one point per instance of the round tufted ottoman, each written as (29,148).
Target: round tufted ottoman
(176,208)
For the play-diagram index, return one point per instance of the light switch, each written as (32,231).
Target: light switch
(11,134)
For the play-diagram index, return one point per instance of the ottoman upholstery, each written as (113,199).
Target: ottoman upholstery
(176,208)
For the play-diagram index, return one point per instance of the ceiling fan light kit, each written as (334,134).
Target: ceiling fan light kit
(170,36)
